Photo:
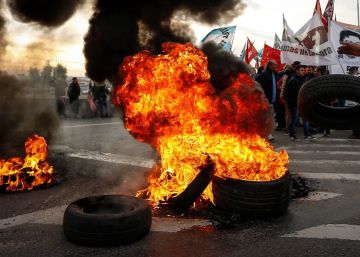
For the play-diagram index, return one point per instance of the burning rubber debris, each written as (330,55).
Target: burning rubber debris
(17,174)
(169,102)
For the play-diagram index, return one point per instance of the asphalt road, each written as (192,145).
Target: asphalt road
(98,156)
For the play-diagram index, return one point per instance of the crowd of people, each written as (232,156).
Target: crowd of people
(282,89)
(96,98)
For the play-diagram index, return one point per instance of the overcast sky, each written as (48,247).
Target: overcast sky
(32,46)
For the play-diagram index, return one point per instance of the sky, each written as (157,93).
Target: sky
(33,46)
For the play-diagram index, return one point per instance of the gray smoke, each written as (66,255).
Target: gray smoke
(46,13)
(23,113)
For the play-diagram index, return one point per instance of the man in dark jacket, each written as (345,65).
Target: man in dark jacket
(73,94)
(100,98)
(291,94)
(268,80)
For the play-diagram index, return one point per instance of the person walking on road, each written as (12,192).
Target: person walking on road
(73,94)
(268,80)
(291,94)
(100,98)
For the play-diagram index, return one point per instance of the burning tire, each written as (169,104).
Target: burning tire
(253,198)
(107,220)
(323,89)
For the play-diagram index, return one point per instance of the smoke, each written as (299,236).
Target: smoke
(119,29)
(45,13)
(3,39)
(223,65)
(23,113)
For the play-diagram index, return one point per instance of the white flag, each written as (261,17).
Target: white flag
(310,45)
(221,36)
(277,42)
(339,33)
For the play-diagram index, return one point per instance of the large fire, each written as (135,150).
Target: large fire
(17,174)
(169,102)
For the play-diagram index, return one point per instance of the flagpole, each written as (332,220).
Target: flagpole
(358,18)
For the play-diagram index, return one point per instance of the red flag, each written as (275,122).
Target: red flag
(271,54)
(250,52)
(329,12)
(318,10)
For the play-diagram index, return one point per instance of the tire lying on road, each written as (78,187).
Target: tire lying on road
(253,198)
(107,220)
(324,89)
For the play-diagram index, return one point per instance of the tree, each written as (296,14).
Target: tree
(60,71)
(46,73)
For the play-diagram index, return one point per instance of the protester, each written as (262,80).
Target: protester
(309,73)
(289,72)
(73,94)
(268,80)
(100,98)
(291,94)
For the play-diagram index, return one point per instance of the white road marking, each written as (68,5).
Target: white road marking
(114,158)
(54,216)
(311,152)
(329,231)
(150,163)
(46,216)
(92,125)
(307,146)
(329,139)
(319,196)
(331,176)
(323,162)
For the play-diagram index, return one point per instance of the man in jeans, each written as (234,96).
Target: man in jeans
(291,93)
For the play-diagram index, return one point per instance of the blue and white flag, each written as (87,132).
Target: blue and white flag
(221,36)
(260,54)
(242,54)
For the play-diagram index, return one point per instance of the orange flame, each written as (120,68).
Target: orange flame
(169,102)
(17,174)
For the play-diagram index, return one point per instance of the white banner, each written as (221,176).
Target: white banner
(338,33)
(221,36)
(309,45)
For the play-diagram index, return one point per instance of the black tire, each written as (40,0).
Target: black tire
(323,89)
(252,198)
(107,220)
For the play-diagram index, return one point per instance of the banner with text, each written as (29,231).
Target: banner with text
(310,45)
(339,33)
